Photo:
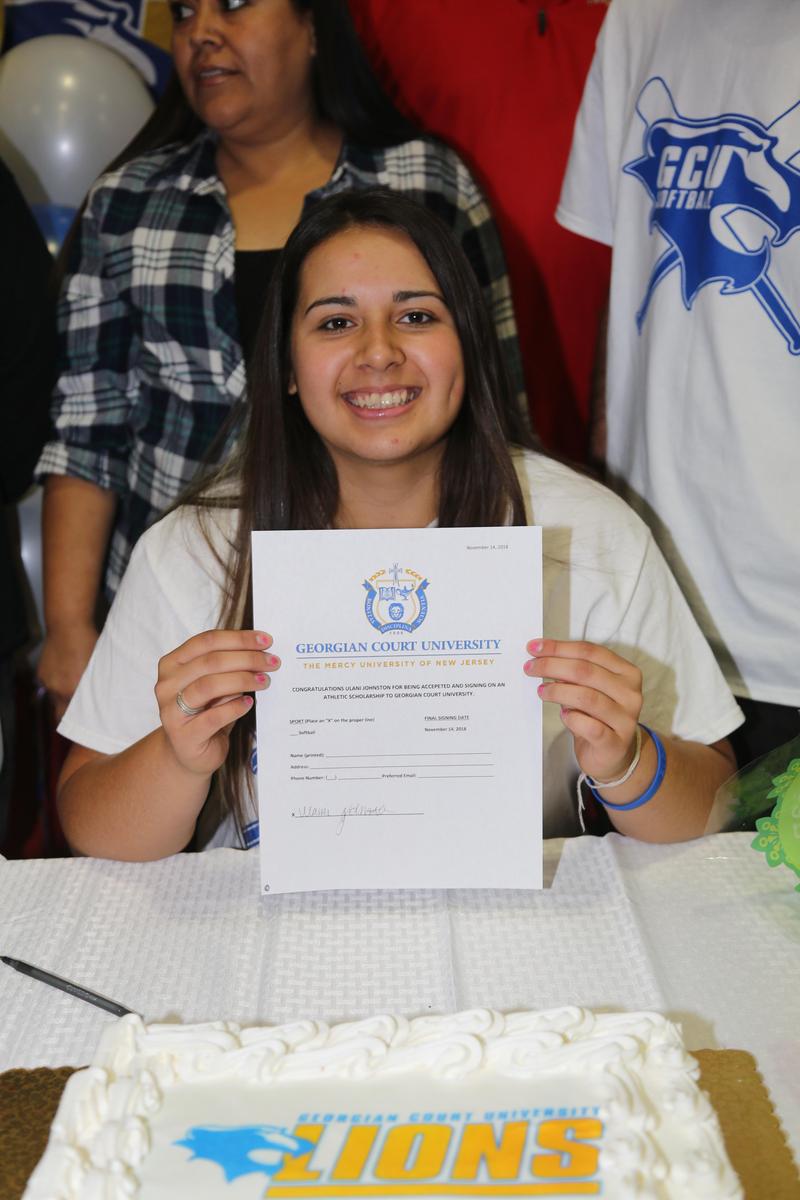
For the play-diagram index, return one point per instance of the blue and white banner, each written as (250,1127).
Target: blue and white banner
(127,26)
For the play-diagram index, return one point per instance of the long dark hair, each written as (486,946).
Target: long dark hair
(284,476)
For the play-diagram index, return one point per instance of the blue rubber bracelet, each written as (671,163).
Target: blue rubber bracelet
(658,779)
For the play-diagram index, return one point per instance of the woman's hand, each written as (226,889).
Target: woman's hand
(65,653)
(212,672)
(600,695)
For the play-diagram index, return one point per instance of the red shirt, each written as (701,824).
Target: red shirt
(501,80)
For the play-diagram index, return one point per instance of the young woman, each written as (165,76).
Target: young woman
(379,399)
(272,107)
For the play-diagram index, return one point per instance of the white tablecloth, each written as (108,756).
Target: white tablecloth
(704,932)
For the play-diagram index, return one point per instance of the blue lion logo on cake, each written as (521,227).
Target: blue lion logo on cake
(232,1147)
(726,196)
(396,599)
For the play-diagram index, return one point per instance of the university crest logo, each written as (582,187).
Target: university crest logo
(396,600)
(726,196)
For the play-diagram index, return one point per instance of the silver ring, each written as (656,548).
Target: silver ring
(187,709)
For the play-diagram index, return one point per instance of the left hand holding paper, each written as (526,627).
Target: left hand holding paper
(204,686)
(600,694)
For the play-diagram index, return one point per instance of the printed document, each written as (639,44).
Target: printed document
(399,742)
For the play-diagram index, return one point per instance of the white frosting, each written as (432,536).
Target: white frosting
(118,1130)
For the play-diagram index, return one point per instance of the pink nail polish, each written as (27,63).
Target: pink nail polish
(261,677)
(263,639)
(540,689)
(272,660)
(535,647)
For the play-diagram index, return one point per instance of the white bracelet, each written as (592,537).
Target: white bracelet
(612,783)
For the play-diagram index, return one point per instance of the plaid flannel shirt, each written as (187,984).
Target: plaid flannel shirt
(150,348)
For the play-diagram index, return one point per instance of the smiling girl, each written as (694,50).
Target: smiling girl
(379,400)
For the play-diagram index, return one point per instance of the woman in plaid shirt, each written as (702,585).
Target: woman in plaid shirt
(273,108)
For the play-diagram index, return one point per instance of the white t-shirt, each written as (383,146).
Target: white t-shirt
(686,158)
(604,581)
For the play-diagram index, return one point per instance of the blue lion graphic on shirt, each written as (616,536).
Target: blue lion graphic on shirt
(115,23)
(231,1147)
(725,196)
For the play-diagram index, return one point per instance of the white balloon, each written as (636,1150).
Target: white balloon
(67,107)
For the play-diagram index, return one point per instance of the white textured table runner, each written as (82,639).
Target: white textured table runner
(704,932)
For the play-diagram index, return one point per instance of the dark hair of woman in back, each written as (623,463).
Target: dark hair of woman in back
(283,476)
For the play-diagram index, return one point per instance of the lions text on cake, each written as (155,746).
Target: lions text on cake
(554,1156)
(725,195)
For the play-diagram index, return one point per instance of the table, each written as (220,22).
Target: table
(704,932)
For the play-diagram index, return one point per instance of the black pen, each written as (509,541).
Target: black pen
(65,985)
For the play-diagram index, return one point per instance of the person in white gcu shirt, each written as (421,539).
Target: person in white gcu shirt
(379,399)
(686,159)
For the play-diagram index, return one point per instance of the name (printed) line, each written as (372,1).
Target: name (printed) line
(416,754)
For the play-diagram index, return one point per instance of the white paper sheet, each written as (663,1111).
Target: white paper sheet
(399,744)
